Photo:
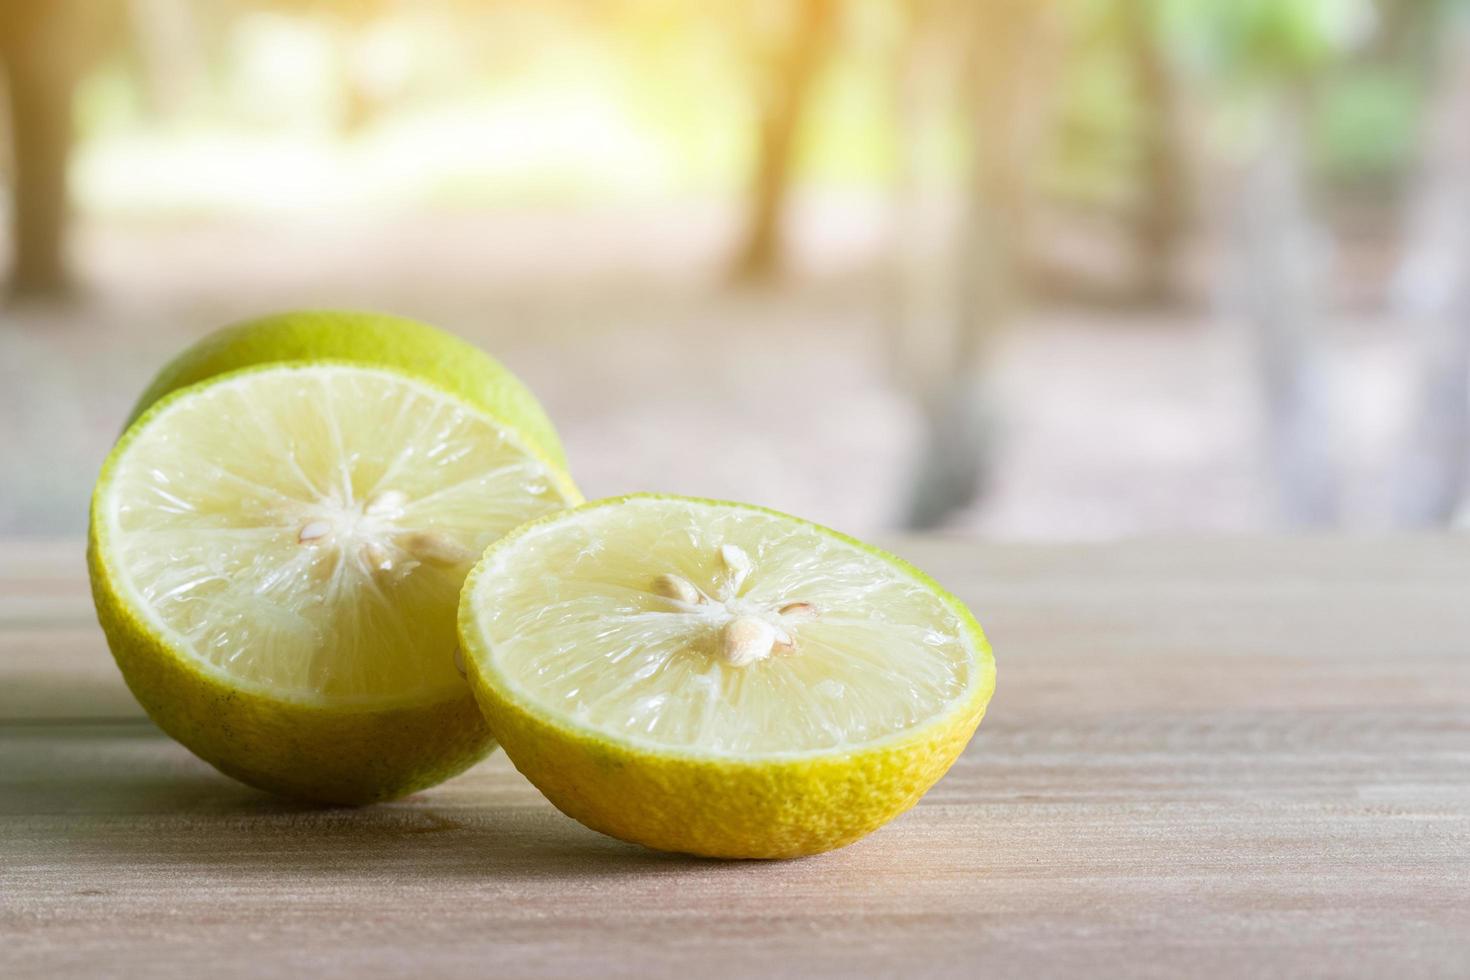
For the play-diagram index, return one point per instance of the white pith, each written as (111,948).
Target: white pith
(303,531)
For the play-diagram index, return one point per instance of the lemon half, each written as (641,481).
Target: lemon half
(276,558)
(374,339)
(719,679)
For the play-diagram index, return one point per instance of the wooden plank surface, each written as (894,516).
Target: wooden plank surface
(1203,758)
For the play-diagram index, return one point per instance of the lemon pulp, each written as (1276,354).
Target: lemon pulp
(719,679)
(303,531)
(572,619)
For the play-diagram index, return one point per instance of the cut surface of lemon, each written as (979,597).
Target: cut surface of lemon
(372,339)
(277,555)
(717,678)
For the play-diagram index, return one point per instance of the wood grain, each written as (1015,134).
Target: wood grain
(1204,758)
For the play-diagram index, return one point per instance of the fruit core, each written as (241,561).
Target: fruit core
(369,533)
(749,631)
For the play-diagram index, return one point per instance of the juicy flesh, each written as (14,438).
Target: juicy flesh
(308,529)
(583,618)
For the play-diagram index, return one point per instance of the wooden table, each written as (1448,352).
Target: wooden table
(1245,758)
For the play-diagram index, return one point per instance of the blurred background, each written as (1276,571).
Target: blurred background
(1014,268)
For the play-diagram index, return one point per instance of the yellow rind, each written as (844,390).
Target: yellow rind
(713,805)
(325,753)
(298,749)
(310,752)
(376,339)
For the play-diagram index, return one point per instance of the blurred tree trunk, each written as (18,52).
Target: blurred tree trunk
(172,48)
(1280,259)
(1434,293)
(958,281)
(41,53)
(785,95)
(1162,220)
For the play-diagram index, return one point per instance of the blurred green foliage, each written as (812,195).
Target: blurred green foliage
(1367,124)
(1267,40)
(475,103)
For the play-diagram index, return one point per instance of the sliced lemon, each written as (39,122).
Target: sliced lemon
(373,339)
(719,679)
(277,555)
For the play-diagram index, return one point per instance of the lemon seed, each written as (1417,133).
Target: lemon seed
(673,587)
(312,530)
(746,639)
(737,563)
(799,611)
